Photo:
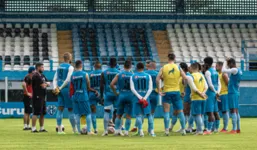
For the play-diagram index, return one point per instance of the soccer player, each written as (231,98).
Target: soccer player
(141,85)
(79,87)
(187,100)
(229,67)
(214,85)
(39,85)
(125,103)
(154,97)
(223,105)
(27,90)
(171,74)
(61,83)
(110,99)
(95,79)
(198,88)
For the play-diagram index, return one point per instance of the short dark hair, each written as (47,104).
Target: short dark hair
(199,66)
(39,64)
(220,63)
(127,64)
(97,65)
(184,66)
(140,66)
(194,66)
(208,61)
(78,63)
(148,61)
(113,62)
(171,56)
(231,61)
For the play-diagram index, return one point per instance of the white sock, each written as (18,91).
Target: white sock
(28,126)
(25,126)
(42,128)
(167,130)
(126,132)
(74,129)
(34,128)
(59,128)
(141,132)
(152,131)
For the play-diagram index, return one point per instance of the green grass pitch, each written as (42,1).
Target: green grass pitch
(12,137)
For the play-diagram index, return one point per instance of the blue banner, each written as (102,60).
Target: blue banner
(16,110)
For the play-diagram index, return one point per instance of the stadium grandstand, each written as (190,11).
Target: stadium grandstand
(92,31)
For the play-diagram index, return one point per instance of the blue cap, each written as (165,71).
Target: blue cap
(31,69)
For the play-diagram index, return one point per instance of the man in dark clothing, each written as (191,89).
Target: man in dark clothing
(27,98)
(39,85)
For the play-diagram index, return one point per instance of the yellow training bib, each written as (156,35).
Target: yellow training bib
(199,83)
(224,87)
(171,75)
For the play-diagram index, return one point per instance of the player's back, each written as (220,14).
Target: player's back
(234,81)
(124,82)
(79,82)
(95,78)
(171,75)
(109,74)
(153,75)
(199,82)
(141,82)
(214,78)
(62,72)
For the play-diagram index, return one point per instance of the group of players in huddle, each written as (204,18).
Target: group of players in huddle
(196,93)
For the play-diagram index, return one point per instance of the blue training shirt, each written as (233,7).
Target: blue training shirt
(153,75)
(124,82)
(234,81)
(95,78)
(214,79)
(141,82)
(109,74)
(79,81)
(62,72)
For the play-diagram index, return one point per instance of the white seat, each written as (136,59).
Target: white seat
(25,67)
(7,67)
(26,25)
(53,26)
(8,25)
(18,25)
(193,25)
(194,54)
(44,26)
(220,54)
(228,54)
(217,49)
(17,68)
(35,26)
(202,26)
(234,26)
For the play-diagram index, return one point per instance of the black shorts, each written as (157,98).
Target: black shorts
(39,106)
(27,104)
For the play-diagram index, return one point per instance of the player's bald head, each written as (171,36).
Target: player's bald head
(67,57)
(194,67)
(152,65)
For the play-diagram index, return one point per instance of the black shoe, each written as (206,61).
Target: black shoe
(42,130)
(28,128)
(188,131)
(96,132)
(25,129)
(204,130)
(35,131)
(193,130)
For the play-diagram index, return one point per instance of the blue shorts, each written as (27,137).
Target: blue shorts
(153,98)
(233,100)
(174,99)
(211,102)
(64,99)
(187,99)
(139,110)
(198,107)
(110,101)
(125,104)
(81,108)
(223,105)
(93,99)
